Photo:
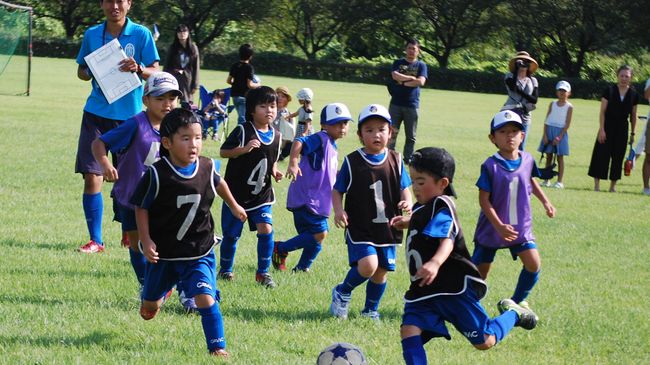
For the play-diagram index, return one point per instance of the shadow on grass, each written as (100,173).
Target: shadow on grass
(93,338)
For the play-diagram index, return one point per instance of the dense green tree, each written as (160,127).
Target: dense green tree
(74,15)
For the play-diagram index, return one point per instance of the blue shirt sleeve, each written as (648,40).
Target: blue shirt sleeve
(310,143)
(149,51)
(441,225)
(422,70)
(484,183)
(118,139)
(343,178)
(216,177)
(406,178)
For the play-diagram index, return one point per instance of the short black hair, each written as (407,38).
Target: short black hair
(173,121)
(412,41)
(245,51)
(436,162)
(255,97)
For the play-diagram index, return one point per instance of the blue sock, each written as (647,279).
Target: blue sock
(300,241)
(525,284)
(352,280)
(213,327)
(503,324)
(264,251)
(138,261)
(227,253)
(93,205)
(413,351)
(374,292)
(309,254)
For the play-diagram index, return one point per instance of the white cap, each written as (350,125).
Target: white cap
(504,117)
(161,83)
(374,110)
(305,94)
(563,85)
(334,113)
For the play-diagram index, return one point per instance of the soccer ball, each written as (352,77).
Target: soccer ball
(341,353)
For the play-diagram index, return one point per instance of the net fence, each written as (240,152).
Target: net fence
(15,49)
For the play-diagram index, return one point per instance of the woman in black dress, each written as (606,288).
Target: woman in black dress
(183,62)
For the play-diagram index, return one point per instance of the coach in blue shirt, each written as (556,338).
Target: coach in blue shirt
(409,75)
(99,116)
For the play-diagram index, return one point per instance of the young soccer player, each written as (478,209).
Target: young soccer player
(375,185)
(556,139)
(253,149)
(310,193)
(506,220)
(445,284)
(137,142)
(175,226)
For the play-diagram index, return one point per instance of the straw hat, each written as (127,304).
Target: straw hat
(285,91)
(523,55)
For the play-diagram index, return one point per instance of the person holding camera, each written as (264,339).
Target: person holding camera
(522,89)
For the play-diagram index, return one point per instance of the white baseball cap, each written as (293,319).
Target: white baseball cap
(335,113)
(563,85)
(161,83)
(504,117)
(374,110)
(305,94)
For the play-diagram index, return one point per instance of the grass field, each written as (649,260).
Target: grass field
(61,307)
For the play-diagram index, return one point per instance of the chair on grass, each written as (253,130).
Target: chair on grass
(213,119)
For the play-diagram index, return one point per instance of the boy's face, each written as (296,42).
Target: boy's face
(115,10)
(185,145)
(425,186)
(412,51)
(507,138)
(336,131)
(374,133)
(265,113)
(159,106)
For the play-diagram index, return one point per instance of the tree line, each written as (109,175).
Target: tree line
(560,34)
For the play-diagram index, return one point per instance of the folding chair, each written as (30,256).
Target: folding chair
(206,98)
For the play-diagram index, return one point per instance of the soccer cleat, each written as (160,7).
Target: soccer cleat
(527,318)
(524,304)
(91,247)
(265,280)
(558,185)
(339,306)
(297,269)
(372,314)
(227,276)
(220,353)
(148,314)
(187,302)
(279,260)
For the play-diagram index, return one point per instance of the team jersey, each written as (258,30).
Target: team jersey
(372,194)
(430,223)
(510,190)
(180,222)
(319,162)
(249,175)
(137,144)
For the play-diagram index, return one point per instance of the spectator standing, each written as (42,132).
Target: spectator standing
(522,89)
(183,62)
(242,79)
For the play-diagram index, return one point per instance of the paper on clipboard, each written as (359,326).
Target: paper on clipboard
(104,65)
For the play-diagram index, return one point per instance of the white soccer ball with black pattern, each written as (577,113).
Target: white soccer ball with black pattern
(341,353)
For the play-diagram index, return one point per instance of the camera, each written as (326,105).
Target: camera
(522,63)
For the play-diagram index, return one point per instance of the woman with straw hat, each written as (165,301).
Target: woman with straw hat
(522,88)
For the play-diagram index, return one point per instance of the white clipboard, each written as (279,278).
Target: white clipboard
(104,65)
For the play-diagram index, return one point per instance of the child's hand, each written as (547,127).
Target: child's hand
(507,232)
(149,251)
(427,273)
(341,219)
(239,212)
(404,206)
(253,143)
(293,171)
(602,137)
(550,210)
(110,173)
(400,222)
(277,175)
(556,141)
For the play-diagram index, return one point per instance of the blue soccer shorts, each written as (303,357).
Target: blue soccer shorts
(463,311)
(482,254)
(125,216)
(307,222)
(385,255)
(231,226)
(198,277)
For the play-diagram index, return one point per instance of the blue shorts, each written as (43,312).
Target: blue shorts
(125,216)
(198,277)
(92,126)
(463,311)
(232,227)
(385,255)
(307,222)
(484,254)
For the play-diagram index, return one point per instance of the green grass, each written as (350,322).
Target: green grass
(58,306)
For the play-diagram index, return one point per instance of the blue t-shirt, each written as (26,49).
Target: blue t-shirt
(137,42)
(343,177)
(440,225)
(405,95)
(312,148)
